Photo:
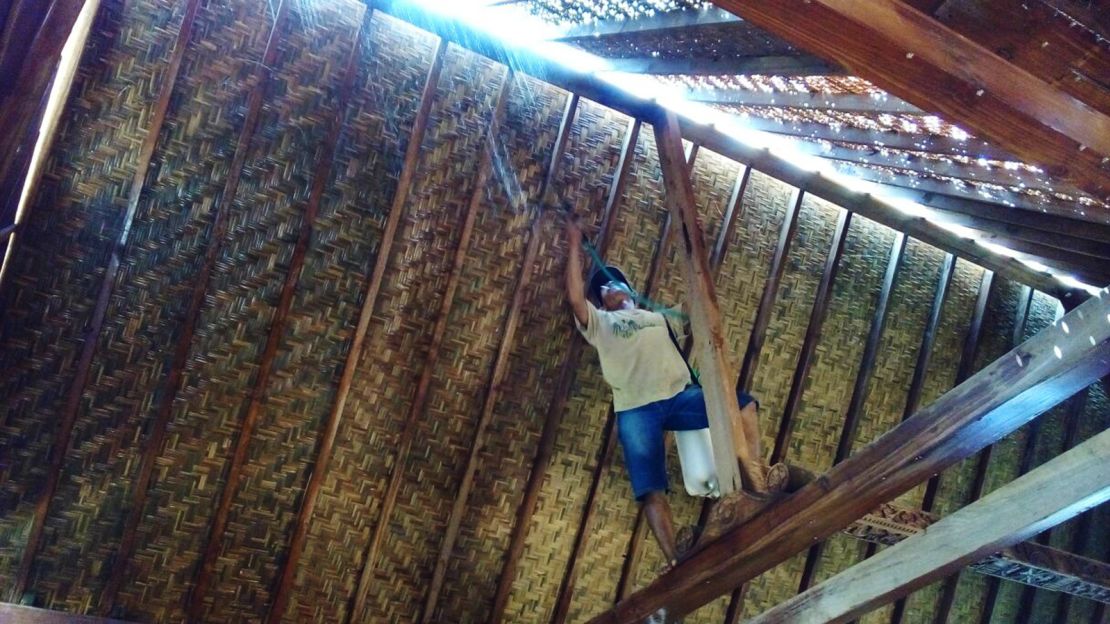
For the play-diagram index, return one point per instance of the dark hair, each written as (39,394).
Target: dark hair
(603,276)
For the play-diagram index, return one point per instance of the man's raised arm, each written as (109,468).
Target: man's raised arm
(575,286)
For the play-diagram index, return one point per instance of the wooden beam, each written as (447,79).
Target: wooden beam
(907,53)
(770,291)
(1052,255)
(949,166)
(91,337)
(1000,398)
(354,353)
(214,540)
(1004,232)
(458,508)
(17,614)
(596,88)
(658,23)
(705,318)
(546,446)
(1033,217)
(919,142)
(812,336)
(860,388)
(1064,487)
(608,440)
(152,446)
(800,65)
(839,102)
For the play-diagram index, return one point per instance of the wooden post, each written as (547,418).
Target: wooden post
(705,318)
(1065,486)
(1025,382)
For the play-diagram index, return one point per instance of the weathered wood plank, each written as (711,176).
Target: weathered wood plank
(16,614)
(659,21)
(1025,382)
(1065,486)
(840,102)
(801,65)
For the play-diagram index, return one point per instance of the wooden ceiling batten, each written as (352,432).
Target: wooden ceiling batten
(68,416)
(801,65)
(545,448)
(908,54)
(962,420)
(664,21)
(331,428)
(840,102)
(485,168)
(813,334)
(174,378)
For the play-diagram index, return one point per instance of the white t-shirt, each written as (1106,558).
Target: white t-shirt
(638,359)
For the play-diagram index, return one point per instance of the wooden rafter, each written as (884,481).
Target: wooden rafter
(152,446)
(816,321)
(593,86)
(800,65)
(91,339)
(354,352)
(660,22)
(1005,232)
(1065,486)
(553,417)
(908,54)
(997,400)
(860,387)
(838,102)
(214,540)
(1033,219)
(497,375)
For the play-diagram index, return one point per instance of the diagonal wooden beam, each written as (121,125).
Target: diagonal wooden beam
(591,85)
(908,53)
(1006,232)
(658,23)
(1065,486)
(214,539)
(1033,218)
(1025,382)
(800,65)
(373,288)
(813,334)
(152,446)
(91,337)
(546,445)
(16,614)
(705,317)
(839,102)
(500,366)
(732,214)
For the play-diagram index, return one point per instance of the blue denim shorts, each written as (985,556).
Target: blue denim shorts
(641,431)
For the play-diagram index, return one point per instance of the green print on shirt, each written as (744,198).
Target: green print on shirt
(626,328)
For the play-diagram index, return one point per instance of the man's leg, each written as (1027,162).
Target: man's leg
(658,513)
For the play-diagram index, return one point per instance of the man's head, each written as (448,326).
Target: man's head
(609,288)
